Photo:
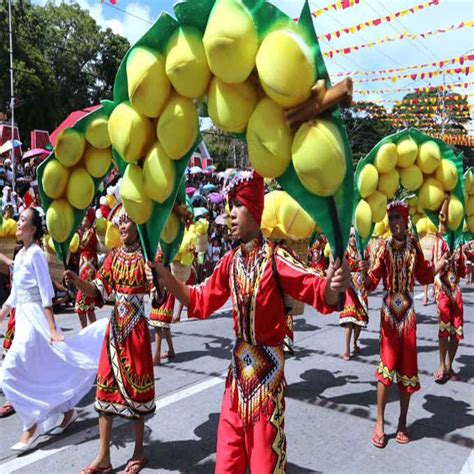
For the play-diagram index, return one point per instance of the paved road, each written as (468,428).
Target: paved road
(330,405)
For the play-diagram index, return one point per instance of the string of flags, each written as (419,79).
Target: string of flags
(441,87)
(336,6)
(377,21)
(351,49)
(430,108)
(424,100)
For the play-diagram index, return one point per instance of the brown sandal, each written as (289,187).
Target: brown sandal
(6,410)
(97,470)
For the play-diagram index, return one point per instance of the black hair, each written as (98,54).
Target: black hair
(36,221)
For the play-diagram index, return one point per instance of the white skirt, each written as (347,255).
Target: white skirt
(43,380)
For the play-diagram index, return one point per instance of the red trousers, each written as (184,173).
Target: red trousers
(450,312)
(260,446)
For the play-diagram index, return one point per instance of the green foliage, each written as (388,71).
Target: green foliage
(226,149)
(63,61)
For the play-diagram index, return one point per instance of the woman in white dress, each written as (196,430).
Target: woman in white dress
(42,376)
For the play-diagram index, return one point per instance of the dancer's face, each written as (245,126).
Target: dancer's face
(128,230)
(25,230)
(243,225)
(397,225)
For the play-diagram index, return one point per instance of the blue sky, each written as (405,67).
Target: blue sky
(137,15)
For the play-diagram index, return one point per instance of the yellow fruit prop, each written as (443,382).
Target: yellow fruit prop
(55,178)
(286,68)
(159,174)
(112,237)
(470,223)
(411,177)
(269,139)
(171,229)
(230,41)
(8,228)
(97,133)
(447,175)
(80,189)
(429,158)
(363,219)
(407,151)
(386,158)
(60,220)
(74,244)
(319,157)
(131,133)
(148,85)
(98,161)
(455,213)
(470,206)
(178,126)
(431,194)
(70,146)
(378,205)
(231,105)
(294,222)
(368,180)
(136,203)
(186,63)
(389,183)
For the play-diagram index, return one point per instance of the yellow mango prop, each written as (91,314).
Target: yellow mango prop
(270,218)
(470,206)
(407,150)
(378,205)
(447,175)
(386,158)
(80,189)
(159,174)
(231,105)
(429,157)
(97,133)
(294,221)
(469,183)
(319,157)
(186,64)
(148,85)
(368,180)
(112,237)
(416,218)
(136,203)
(470,223)
(70,146)
(131,133)
(60,220)
(363,218)
(98,161)
(55,178)
(411,177)
(431,195)
(455,213)
(269,139)
(231,41)
(388,183)
(171,229)
(178,126)
(74,244)
(286,68)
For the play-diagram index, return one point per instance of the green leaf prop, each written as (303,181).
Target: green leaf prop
(62,248)
(446,154)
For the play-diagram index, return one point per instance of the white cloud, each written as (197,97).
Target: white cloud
(133,24)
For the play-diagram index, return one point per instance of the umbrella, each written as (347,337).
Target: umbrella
(195,170)
(8,145)
(190,190)
(207,188)
(197,198)
(200,211)
(222,219)
(216,198)
(70,120)
(36,152)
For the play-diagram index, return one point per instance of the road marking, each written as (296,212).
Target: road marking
(86,435)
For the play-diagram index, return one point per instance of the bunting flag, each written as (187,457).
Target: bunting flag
(419,75)
(385,115)
(112,2)
(352,49)
(423,100)
(336,6)
(377,21)
(442,87)
(459,140)
(416,108)
(458,60)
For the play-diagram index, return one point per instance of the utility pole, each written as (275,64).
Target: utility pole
(12,97)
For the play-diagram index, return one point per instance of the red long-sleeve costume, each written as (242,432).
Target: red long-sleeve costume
(399,264)
(447,292)
(251,425)
(87,269)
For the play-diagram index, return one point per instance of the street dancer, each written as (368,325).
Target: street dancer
(255,275)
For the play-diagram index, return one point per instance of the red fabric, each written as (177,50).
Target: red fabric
(10,332)
(401,208)
(268,316)
(240,447)
(251,194)
(90,215)
(316,257)
(87,269)
(164,313)
(451,316)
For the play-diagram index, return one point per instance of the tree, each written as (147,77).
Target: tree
(225,148)
(63,61)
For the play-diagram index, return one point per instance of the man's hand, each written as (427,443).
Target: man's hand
(364,266)
(71,277)
(339,276)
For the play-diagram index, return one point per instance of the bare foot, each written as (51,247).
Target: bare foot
(168,355)
(346,356)
(98,463)
(28,434)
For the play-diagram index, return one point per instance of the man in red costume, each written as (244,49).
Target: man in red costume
(255,275)
(398,262)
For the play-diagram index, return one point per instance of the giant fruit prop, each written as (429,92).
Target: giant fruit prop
(69,178)
(409,163)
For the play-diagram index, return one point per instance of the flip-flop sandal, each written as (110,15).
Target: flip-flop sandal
(135,466)
(402,437)
(378,440)
(6,410)
(346,357)
(356,350)
(440,377)
(452,377)
(97,470)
